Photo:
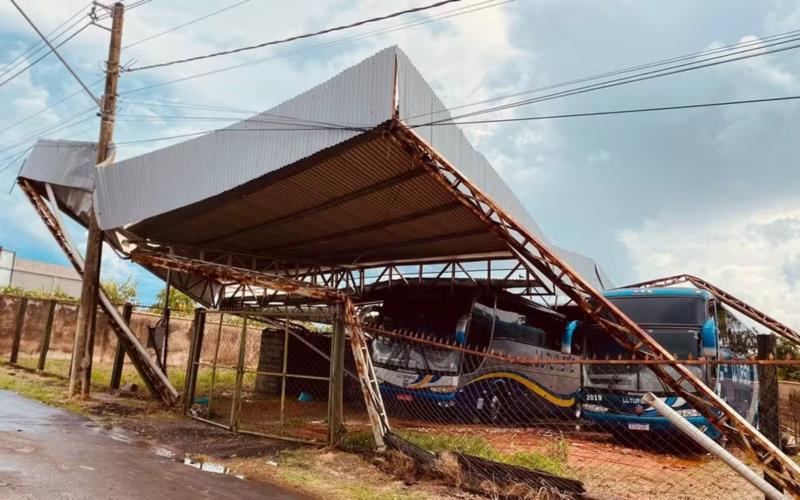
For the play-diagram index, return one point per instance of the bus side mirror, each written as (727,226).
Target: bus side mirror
(708,339)
(461,329)
(566,340)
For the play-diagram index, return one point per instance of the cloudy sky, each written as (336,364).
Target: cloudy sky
(713,192)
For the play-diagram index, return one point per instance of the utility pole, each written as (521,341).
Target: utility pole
(81,374)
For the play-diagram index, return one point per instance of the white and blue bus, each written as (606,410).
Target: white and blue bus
(689,323)
(435,382)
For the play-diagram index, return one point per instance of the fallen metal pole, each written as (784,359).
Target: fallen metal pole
(712,447)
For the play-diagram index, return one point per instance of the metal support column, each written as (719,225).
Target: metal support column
(336,388)
(119,354)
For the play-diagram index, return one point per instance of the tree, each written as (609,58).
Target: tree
(178,301)
(120,292)
(786,349)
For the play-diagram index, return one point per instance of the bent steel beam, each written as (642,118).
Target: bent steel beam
(538,257)
(154,378)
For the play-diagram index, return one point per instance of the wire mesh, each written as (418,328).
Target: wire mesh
(581,420)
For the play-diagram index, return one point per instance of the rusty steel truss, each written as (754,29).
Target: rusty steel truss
(151,373)
(247,278)
(540,260)
(492,271)
(726,298)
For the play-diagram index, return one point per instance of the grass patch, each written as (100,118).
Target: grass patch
(48,391)
(554,460)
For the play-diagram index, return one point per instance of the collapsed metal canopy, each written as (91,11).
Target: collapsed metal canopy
(314,179)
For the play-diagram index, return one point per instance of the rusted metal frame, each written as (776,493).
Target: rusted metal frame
(466,273)
(372,397)
(364,229)
(500,356)
(377,280)
(360,251)
(441,273)
(239,275)
(154,378)
(618,326)
(378,186)
(399,273)
(366,374)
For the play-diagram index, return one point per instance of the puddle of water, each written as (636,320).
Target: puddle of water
(211,467)
(163,452)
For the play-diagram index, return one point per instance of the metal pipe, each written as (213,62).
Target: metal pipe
(712,447)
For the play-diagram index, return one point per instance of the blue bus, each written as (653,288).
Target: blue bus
(432,382)
(687,322)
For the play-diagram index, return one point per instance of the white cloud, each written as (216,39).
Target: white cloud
(753,255)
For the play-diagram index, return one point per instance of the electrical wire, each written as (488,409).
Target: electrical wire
(479,6)
(727,48)
(472,122)
(26,68)
(648,75)
(295,37)
(615,112)
(48,108)
(180,26)
(38,45)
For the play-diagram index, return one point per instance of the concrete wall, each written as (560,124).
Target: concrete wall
(34,275)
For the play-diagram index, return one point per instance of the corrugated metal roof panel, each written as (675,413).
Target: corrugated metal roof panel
(419,105)
(62,163)
(176,176)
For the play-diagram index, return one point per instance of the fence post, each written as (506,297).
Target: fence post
(336,388)
(119,354)
(23,306)
(237,391)
(48,329)
(190,380)
(768,398)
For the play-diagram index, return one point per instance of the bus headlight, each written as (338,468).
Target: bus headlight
(594,408)
(688,412)
(442,388)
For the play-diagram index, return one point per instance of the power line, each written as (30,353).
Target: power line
(662,62)
(37,46)
(648,75)
(296,37)
(471,122)
(615,112)
(482,5)
(48,108)
(26,68)
(180,26)
(54,51)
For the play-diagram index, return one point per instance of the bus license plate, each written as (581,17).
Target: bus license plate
(405,397)
(638,427)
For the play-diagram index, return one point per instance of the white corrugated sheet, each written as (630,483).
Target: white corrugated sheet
(62,163)
(176,176)
(361,96)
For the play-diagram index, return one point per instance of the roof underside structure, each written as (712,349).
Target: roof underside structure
(318,186)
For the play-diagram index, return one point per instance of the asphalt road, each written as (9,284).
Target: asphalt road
(46,453)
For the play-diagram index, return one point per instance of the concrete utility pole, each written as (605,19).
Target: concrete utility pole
(81,374)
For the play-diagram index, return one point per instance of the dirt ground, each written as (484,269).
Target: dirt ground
(315,471)
(608,468)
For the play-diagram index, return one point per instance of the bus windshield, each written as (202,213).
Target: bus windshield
(662,310)
(392,354)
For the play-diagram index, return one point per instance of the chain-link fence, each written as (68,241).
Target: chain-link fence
(520,419)
(266,375)
(517,415)
(39,334)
